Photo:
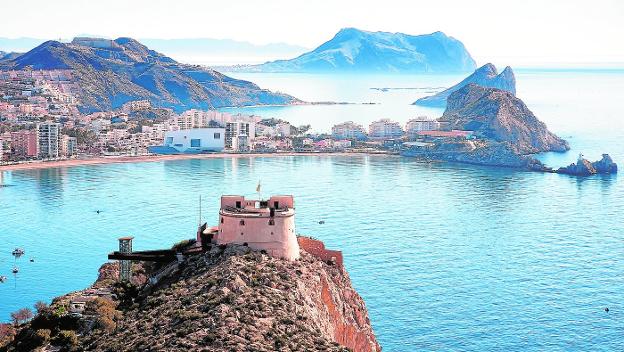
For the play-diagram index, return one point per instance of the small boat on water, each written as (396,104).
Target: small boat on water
(3,279)
(15,270)
(18,252)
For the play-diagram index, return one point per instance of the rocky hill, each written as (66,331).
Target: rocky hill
(228,299)
(498,116)
(354,50)
(113,72)
(485,76)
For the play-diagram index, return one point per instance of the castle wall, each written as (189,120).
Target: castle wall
(317,249)
(278,240)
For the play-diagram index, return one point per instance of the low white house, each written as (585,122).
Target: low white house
(193,141)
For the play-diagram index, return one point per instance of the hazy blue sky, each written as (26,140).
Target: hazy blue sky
(504,32)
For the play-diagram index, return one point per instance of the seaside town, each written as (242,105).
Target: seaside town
(40,120)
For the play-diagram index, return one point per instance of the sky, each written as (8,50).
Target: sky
(521,33)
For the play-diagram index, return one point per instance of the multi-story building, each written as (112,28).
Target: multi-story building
(419,124)
(24,144)
(348,130)
(49,135)
(240,131)
(69,146)
(385,128)
(284,129)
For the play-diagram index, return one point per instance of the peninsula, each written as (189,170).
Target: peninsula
(490,126)
(104,74)
(249,283)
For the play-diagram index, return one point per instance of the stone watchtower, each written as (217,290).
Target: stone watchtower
(125,266)
(267,225)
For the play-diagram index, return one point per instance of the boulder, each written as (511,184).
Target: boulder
(584,167)
(605,165)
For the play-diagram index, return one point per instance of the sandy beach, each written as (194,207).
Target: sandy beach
(151,158)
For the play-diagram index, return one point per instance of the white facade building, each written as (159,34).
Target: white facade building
(385,128)
(192,141)
(49,136)
(348,130)
(419,124)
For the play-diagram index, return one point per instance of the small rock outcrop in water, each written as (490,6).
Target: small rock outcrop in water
(485,76)
(498,116)
(584,167)
(228,299)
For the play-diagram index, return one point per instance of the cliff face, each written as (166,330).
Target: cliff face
(485,76)
(235,299)
(128,70)
(499,116)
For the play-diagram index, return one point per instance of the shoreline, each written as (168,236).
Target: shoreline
(102,160)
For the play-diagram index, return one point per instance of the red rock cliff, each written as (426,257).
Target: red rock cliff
(231,299)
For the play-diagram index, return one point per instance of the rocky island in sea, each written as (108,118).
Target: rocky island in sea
(354,50)
(485,76)
(249,284)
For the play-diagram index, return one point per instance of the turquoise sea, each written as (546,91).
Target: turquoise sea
(447,257)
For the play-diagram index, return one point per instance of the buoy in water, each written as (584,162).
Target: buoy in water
(607,309)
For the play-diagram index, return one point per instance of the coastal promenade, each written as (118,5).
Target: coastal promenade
(151,158)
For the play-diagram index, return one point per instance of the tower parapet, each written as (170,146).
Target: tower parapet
(267,225)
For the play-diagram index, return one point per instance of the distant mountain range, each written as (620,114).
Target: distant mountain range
(205,51)
(222,51)
(354,50)
(485,76)
(112,72)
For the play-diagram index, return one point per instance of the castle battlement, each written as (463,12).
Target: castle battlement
(267,225)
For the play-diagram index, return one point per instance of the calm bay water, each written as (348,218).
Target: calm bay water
(447,257)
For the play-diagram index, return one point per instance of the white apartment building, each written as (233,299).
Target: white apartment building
(419,124)
(385,128)
(240,130)
(69,146)
(348,130)
(49,137)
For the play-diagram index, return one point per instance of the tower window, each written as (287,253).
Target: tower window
(242,222)
(222,220)
(271,222)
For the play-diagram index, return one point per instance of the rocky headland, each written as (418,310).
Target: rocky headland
(498,116)
(114,72)
(504,133)
(227,299)
(485,76)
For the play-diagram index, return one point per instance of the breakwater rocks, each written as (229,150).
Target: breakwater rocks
(584,167)
(227,299)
